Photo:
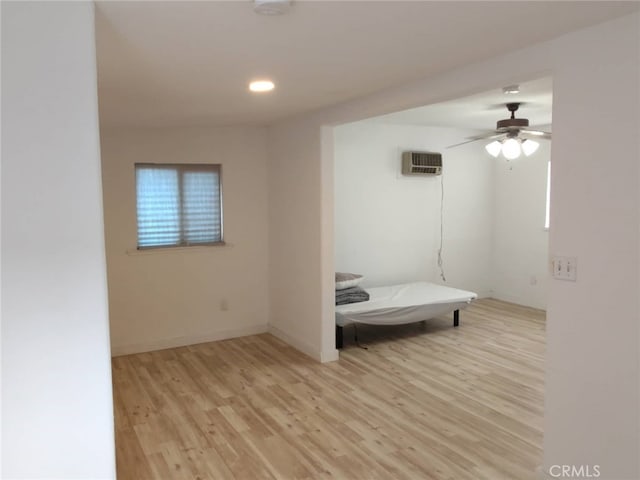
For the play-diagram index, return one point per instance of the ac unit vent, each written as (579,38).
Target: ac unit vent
(421,163)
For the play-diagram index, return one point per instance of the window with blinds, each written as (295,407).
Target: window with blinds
(178,205)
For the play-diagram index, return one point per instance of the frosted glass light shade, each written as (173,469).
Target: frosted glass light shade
(493,148)
(511,148)
(529,147)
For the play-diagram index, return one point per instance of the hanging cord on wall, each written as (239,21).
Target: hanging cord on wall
(441,228)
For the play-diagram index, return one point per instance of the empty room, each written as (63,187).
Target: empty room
(282,239)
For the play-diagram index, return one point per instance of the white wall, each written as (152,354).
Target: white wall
(57,413)
(295,233)
(520,253)
(592,402)
(387,225)
(173,297)
(592,392)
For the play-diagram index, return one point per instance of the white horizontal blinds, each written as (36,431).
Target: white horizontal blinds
(158,201)
(201,206)
(178,205)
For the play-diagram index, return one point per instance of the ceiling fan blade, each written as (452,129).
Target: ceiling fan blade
(475,138)
(536,134)
(489,134)
(464,143)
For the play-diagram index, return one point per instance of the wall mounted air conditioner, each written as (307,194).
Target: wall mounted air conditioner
(421,163)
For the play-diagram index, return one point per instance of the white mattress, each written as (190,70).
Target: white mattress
(406,303)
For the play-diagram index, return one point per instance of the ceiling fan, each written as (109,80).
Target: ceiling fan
(511,136)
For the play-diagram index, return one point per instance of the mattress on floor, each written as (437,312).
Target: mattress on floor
(405,303)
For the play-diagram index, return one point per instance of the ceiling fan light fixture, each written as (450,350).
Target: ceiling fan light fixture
(512,136)
(529,147)
(494,148)
(511,149)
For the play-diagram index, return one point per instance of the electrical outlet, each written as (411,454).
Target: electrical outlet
(565,268)
(224,305)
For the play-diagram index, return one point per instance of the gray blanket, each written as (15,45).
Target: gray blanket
(351,295)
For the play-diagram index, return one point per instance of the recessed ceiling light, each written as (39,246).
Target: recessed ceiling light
(261,86)
(511,89)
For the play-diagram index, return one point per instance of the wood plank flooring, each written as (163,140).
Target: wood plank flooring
(423,401)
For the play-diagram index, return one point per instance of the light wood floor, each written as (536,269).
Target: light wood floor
(422,402)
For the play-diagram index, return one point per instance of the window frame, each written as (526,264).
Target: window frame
(181,168)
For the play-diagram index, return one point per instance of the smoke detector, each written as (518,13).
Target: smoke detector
(271,7)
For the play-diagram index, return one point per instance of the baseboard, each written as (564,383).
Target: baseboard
(164,343)
(518,301)
(330,356)
(161,344)
(302,346)
(483,293)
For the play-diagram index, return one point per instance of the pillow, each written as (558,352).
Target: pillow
(347,280)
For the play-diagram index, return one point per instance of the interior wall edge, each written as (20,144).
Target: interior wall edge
(297,343)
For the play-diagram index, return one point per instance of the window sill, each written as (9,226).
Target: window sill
(134,252)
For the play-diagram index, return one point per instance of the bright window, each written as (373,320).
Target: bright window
(178,205)
(546,217)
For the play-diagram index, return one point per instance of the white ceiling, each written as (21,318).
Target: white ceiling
(483,110)
(189,63)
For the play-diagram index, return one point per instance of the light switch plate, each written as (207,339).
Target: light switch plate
(565,268)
